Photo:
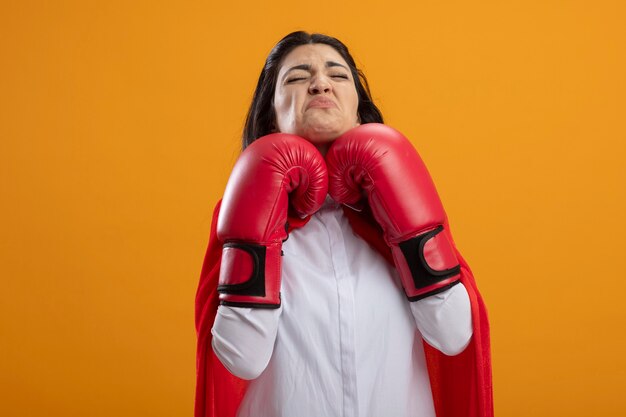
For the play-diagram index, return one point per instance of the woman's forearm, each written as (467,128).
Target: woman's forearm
(243,339)
(445,319)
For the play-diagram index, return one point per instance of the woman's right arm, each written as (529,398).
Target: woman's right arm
(243,338)
(276,173)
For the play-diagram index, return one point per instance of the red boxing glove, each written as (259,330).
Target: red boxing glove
(376,160)
(273,172)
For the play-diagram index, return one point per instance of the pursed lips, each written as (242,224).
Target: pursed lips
(321,103)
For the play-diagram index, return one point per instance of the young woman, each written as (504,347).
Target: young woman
(355,303)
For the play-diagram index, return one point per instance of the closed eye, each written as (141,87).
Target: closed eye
(290,80)
(344,76)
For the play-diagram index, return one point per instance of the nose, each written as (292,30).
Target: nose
(319,85)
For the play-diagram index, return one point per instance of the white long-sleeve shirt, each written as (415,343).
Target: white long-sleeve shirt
(345,342)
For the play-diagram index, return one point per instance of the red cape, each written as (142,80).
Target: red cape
(461,384)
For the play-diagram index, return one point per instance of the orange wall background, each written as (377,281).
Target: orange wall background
(120,121)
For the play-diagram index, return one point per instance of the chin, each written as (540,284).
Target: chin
(324,134)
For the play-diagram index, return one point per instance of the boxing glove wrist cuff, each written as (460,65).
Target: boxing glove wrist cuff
(250,275)
(427,264)
(437,290)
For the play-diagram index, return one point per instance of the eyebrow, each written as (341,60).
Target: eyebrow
(307,67)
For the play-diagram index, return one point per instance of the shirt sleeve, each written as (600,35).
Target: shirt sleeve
(445,319)
(243,339)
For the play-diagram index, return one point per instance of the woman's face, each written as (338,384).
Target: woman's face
(315,95)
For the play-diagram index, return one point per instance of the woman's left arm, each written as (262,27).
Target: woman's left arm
(445,319)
